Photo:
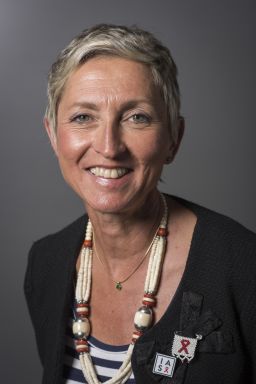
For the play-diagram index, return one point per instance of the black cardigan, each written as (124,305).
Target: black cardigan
(216,298)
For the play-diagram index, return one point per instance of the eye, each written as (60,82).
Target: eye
(81,118)
(140,118)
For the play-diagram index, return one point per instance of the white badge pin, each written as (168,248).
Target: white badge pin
(184,347)
(164,365)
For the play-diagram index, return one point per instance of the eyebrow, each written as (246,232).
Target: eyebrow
(84,104)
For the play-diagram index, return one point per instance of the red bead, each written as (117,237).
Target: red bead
(82,314)
(83,350)
(82,309)
(88,243)
(81,305)
(82,346)
(135,336)
(148,303)
(138,333)
(149,300)
(162,232)
(81,342)
(149,295)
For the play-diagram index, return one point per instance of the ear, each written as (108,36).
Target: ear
(51,134)
(174,147)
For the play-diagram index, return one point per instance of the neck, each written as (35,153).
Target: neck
(123,238)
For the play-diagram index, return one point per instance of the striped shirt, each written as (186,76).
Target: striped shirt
(107,359)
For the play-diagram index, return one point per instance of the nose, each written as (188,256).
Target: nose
(108,140)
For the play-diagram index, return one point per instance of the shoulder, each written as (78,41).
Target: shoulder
(221,229)
(49,277)
(53,253)
(57,239)
(223,247)
(224,252)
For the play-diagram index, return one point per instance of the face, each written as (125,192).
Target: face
(112,136)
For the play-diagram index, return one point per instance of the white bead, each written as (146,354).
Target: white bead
(143,318)
(81,328)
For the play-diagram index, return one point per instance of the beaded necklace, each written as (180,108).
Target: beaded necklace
(143,316)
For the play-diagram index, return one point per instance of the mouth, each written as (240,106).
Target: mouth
(109,173)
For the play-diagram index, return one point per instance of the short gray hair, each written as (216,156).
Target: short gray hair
(131,43)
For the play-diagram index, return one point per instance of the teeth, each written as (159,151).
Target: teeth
(107,173)
(113,173)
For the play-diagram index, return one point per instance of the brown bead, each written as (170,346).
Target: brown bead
(149,300)
(149,295)
(82,346)
(135,336)
(138,333)
(162,232)
(82,305)
(82,309)
(148,303)
(81,342)
(83,350)
(82,314)
(88,243)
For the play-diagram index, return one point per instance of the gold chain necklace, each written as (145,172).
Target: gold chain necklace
(119,283)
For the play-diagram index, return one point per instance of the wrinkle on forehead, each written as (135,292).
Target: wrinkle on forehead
(107,97)
(111,81)
(108,71)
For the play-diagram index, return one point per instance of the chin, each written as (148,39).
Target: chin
(105,204)
(115,203)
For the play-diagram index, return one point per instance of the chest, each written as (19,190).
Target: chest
(113,311)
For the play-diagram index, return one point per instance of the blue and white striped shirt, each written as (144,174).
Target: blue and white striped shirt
(107,359)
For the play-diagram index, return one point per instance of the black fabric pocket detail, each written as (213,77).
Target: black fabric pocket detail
(217,342)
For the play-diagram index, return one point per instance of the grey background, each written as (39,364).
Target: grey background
(213,43)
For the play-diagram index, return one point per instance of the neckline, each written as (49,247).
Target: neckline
(107,347)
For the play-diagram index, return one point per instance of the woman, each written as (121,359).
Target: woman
(155,288)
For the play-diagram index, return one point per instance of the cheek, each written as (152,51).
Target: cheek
(154,152)
(70,146)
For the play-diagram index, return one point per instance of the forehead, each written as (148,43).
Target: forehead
(113,76)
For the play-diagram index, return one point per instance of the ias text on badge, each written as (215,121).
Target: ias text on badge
(164,365)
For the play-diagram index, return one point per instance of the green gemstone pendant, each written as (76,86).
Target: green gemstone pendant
(118,285)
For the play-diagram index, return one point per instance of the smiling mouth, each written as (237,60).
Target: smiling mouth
(107,173)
